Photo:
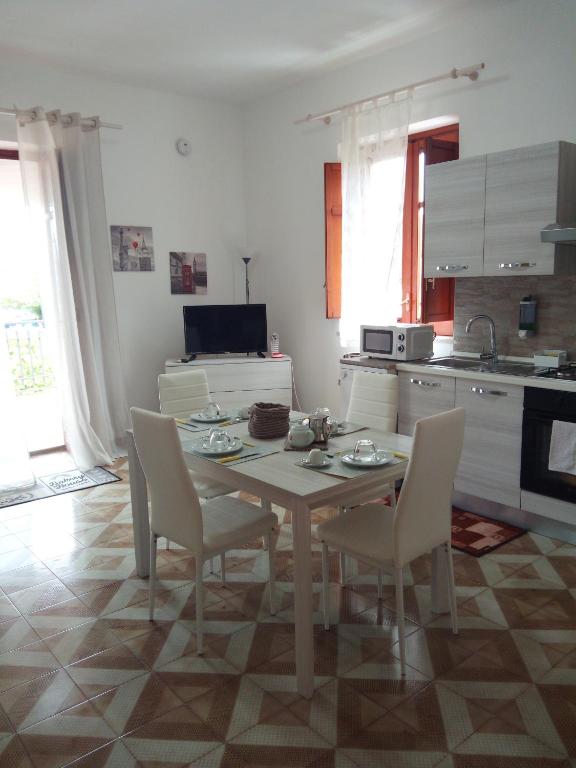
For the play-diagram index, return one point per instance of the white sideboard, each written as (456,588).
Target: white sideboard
(238,380)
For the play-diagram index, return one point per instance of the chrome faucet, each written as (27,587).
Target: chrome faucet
(493,354)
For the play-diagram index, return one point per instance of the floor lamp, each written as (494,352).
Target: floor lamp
(247,260)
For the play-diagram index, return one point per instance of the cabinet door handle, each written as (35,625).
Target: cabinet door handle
(517,265)
(482,391)
(422,383)
(452,267)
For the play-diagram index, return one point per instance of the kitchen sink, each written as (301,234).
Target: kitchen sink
(468,364)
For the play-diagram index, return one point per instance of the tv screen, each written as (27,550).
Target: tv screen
(217,328)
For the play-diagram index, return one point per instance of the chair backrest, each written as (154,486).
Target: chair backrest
(374,400)
(424,510)
(183,393)
(175,511)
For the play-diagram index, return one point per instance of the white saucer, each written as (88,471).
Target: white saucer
(382,457)
(209,419)
(200,447)
(324,463)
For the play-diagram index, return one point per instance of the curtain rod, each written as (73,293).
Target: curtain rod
(471,72)
(86,120)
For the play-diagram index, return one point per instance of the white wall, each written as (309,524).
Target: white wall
(193,203)
(525,96)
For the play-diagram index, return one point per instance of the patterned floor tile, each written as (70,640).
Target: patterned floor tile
(27,704)
(544,651)
(13,754)
(176,738)
(60,617)
(9,542)
(16,633)
(26,664)
(135,703)
(17,559)
(7,609)
(83,641)
(61,739)
(112,755)
(517,725)
(23,578)
(41,596)
(106,670)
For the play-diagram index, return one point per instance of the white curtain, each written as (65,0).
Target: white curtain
(62,180)
(373,156)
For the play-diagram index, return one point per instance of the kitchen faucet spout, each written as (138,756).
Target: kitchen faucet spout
(493,354)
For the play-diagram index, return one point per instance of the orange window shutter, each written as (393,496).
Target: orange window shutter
(438,295)
(333,224)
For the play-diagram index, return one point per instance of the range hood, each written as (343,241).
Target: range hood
(559,233)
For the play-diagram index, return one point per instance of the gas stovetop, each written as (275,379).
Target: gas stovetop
(565,372)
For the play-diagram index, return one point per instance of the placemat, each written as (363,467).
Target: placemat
(348,427)
(337,469)
(248,453)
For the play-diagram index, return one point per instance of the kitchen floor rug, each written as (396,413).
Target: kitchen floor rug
(58,483)
(477,535)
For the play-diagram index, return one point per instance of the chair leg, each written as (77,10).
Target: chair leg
(199,607)
(167,543)
(452,588)
(400,616)
(392,497)
(223,567)
(270,545)
(266,507)
(152,578)
(325,607)
(379,584)
(211,565)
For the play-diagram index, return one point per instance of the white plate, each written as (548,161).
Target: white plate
(324,463)
(200,447)
(209,419)
(382,457)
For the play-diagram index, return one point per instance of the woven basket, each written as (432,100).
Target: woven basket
(268,420)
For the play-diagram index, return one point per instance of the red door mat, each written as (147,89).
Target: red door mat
(477,535)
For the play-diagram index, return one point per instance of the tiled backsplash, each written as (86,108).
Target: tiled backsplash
(499,297)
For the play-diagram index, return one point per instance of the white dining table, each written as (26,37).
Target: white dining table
(277,478)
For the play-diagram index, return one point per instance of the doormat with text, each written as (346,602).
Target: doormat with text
(477,535)
(58,483)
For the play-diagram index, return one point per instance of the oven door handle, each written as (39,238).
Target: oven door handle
(494,392)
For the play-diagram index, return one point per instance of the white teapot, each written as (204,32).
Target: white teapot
(300,436)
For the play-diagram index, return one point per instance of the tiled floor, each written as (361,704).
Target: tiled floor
(85,679)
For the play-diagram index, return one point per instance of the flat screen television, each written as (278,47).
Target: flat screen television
(218,328)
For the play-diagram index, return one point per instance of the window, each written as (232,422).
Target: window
(424,300)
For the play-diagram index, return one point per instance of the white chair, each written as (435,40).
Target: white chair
(374,403)
(180,395)
(422,520)
(374,400)
(205,529)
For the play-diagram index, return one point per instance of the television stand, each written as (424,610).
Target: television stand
(236,382)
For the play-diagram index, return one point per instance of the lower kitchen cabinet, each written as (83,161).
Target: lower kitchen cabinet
(490,463)
(421,395)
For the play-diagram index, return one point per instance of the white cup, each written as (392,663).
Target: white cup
(315,456)
(244,413)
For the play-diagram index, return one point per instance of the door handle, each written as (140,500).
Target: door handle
(422,383)
(482,391)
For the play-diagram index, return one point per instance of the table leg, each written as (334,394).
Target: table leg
(440,595)
(303,600)
(139,497)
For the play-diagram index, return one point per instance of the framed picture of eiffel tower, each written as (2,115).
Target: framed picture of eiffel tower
(132,248)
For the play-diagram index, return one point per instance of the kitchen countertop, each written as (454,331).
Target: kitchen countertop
(433,370)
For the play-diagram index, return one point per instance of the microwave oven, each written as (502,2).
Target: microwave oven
(403,341)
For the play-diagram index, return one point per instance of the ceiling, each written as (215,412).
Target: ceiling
(233,50)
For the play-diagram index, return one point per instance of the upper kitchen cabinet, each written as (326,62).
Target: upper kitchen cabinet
(484,214)
(526,189)
(454,218)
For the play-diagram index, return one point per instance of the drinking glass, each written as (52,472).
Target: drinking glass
(365,451)
(219,440)
(212,411)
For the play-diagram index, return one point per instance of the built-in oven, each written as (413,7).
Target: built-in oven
(541,408)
